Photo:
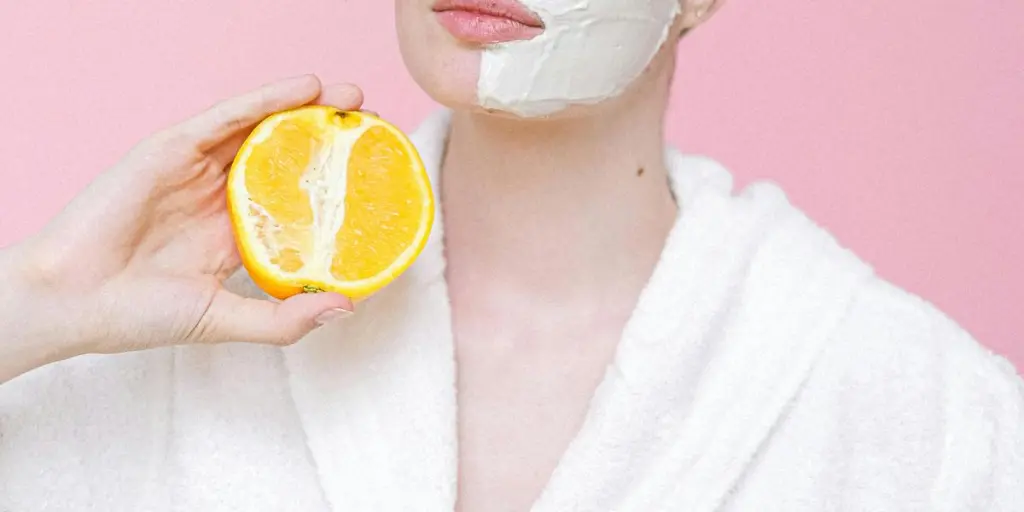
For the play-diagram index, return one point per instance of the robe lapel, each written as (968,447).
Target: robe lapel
(744,297)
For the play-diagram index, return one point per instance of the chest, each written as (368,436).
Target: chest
(524,390)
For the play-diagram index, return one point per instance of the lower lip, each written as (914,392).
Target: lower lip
(479,28)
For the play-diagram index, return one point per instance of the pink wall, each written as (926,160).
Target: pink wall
(898,125)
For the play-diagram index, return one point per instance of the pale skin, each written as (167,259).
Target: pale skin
(539,303)
(548,247)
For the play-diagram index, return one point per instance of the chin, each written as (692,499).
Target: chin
(447,70)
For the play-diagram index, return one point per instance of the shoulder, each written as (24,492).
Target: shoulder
(901,401)
(913,384)
(889,332)
(885,331)
(912,397)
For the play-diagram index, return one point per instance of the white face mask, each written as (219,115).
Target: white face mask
(591,50)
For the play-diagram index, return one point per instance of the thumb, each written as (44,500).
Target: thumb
(232,317)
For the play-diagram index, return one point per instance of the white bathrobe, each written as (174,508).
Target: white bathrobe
(764,369)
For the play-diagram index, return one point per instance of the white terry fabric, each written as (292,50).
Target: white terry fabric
(764,369)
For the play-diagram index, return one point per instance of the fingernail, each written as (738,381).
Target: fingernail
(331,315)
(370,112)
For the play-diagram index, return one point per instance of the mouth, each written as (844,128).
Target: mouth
(487,21)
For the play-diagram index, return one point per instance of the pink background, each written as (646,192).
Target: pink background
(898,125)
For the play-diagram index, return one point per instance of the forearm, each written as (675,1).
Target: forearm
(32,327)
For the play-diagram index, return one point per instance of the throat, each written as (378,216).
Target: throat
(552,216)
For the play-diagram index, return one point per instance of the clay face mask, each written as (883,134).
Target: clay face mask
(591,50)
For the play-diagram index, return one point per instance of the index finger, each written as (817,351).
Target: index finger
(341,96)
(230,117)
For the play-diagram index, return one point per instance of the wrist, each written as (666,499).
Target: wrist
(31,334)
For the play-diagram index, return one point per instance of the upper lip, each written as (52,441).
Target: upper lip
(510,9)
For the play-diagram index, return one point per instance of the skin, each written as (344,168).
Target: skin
(138,259)
(540,302)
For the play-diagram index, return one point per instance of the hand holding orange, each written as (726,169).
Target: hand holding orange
(139,259)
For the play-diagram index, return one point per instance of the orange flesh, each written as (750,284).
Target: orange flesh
(383,209)
(376,197)
(282,160)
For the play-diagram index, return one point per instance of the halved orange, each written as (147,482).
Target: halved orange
(327,200)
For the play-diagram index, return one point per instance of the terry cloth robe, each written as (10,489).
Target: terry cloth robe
(765,368)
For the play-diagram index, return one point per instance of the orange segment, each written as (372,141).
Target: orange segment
(322,199)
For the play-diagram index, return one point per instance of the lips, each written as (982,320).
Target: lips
(487,21)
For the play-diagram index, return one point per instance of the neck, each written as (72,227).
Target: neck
(563,208)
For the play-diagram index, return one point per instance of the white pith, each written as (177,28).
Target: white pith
(325,182)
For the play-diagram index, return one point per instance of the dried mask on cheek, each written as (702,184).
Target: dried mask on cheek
(591,50)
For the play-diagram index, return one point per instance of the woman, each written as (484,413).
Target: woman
(598,323)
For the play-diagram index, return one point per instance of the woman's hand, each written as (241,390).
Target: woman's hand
(137,260)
